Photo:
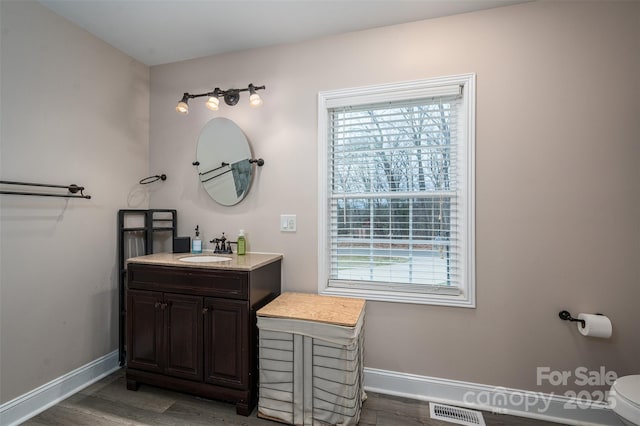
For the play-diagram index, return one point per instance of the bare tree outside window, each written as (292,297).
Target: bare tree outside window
(393,186)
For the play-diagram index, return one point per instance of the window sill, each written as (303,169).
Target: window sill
(459,301)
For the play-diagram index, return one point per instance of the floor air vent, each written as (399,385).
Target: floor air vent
(457,415)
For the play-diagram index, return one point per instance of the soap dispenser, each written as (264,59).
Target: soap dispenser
(242,243)
(196,243)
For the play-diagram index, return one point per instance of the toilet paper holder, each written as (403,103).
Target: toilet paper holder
(565,315)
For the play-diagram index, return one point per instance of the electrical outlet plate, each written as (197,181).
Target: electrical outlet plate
(288,223)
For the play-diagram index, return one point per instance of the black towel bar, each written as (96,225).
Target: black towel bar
(73,189)
(258,161)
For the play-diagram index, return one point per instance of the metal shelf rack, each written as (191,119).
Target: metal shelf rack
(138,240)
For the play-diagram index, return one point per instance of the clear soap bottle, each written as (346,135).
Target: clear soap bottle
(242,243)
(196,243)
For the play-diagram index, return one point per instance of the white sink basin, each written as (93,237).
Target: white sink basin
(203,259)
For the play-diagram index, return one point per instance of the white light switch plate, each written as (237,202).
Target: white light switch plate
(288,222)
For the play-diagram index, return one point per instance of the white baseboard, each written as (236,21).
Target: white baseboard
(536,405)
(31,403)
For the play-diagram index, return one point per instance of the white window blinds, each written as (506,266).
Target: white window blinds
(397,208)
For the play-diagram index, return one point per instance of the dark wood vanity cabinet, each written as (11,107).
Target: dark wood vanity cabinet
(194,329)
(225,326)
(165,332)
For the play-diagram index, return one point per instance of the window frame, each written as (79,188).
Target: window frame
(466,139)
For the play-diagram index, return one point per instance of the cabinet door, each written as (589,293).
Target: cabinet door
(183,327)
(144,330)
(225,342)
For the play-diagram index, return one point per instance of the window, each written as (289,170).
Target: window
(396,191)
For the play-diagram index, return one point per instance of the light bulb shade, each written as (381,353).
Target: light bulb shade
(212,103)
(255,100)
(182,107)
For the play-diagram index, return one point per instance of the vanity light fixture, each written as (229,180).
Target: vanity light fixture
(212,103)
(230,96)
(254,99)
(183,106)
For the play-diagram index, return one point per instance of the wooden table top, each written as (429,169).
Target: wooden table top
(313,307)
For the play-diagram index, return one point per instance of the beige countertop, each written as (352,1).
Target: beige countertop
(313,307)
(247,262)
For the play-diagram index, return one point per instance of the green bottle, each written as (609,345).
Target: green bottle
(242,243)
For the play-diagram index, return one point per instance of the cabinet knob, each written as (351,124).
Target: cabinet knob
(205,310)
(157,305)
(163,305)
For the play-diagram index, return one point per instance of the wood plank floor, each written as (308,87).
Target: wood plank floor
(109,403)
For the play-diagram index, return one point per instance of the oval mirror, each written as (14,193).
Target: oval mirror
(224,158)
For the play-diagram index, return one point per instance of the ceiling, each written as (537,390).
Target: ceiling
(162,31)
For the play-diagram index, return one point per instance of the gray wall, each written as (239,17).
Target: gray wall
(558,182)
(74,110)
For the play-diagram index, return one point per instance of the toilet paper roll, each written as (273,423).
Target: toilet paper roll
(595,326)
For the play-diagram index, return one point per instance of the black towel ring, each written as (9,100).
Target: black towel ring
(151,179)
